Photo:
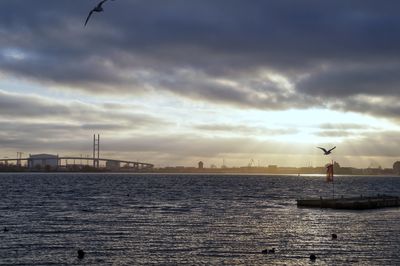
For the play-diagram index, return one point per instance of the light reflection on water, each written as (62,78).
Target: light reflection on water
(191,219)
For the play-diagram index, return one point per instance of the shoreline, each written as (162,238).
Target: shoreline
(198,173)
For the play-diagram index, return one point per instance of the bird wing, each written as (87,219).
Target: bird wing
(322,149)
(332,148)
(101,3)
(87,19)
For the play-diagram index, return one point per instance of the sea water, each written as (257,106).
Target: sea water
(137,219)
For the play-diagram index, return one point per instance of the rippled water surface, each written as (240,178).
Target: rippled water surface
(127,219)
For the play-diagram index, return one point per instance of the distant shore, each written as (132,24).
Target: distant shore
(226,170)
(278,171)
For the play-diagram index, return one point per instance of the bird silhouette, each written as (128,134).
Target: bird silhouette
(326,152)
(268,251)
(97,8)
(81,254)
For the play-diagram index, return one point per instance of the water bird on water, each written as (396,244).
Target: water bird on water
(313,257)
(334,236)
(97,8)
(5,229)
(81,254)
(268,251)
(326,152)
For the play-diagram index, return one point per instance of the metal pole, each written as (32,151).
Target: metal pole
(333,182)
(94,150)
(98,150)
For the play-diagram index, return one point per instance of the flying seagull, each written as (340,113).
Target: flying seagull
(97,8)
(326,152)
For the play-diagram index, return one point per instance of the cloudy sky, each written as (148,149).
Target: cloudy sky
(172,82)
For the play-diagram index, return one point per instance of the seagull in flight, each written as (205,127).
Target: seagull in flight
(97,8)
(327,152)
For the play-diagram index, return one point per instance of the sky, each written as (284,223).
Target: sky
(173,82)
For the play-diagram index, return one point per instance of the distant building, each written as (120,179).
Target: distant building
(113,165)
(396,168)
(201,165)
(43,161)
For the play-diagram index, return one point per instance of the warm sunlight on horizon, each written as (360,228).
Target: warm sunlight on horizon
(195,130)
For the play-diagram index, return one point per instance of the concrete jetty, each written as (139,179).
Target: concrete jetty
(354,203)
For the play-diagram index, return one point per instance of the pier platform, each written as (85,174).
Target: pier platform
(354,203)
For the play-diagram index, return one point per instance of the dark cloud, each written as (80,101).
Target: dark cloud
(16,105)
(328,51)
(245,130)
(345,126)
(54,130)
(46,116)
(258,92)
(345,130)
(343,81)
(388,107)
(39,124)
(333,133)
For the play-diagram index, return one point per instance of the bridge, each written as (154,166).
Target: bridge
(55,162)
